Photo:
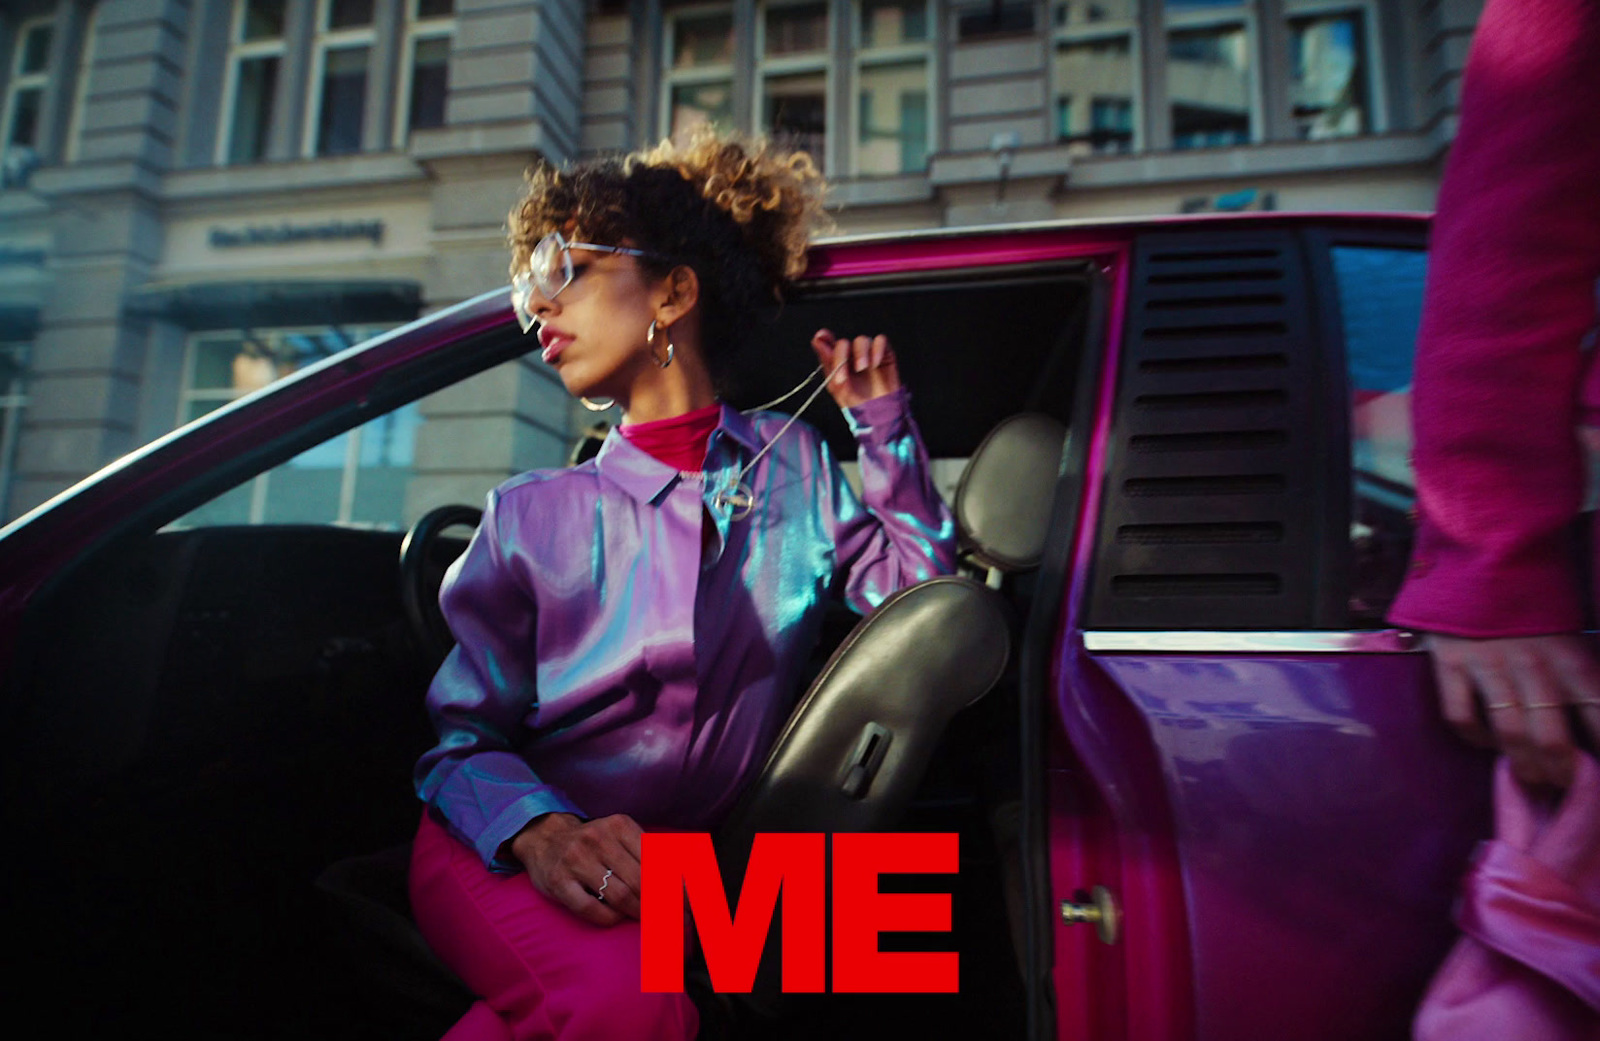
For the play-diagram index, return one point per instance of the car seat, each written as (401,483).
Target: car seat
(859,739)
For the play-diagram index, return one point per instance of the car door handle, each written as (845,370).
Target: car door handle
(1100,910)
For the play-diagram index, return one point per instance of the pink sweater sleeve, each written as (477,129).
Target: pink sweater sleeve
(1510,297)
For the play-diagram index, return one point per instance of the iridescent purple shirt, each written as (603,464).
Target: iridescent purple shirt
(613,658)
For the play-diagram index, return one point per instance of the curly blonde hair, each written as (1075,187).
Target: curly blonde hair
(739,210)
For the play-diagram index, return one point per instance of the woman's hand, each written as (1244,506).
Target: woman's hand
(567,860)
(1526,684)
(869,370)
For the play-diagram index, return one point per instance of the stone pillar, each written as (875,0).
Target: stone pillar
(84,386)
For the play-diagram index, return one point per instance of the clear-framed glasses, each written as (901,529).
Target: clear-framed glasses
(550,271)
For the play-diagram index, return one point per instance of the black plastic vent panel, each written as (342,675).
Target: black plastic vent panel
(1210,518)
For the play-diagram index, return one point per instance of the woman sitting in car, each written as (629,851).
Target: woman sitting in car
(630,630)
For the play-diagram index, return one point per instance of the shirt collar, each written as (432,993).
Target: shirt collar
(647,478)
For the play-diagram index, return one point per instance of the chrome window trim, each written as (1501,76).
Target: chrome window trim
(1374,641)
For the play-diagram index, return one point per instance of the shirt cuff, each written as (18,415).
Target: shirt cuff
(513,819)
(881,415)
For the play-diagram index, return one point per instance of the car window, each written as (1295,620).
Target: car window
(452,446)
(1380,305)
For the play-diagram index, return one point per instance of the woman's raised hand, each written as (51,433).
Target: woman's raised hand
(567,860)
(868,371)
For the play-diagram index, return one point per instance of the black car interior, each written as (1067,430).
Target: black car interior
(209,719)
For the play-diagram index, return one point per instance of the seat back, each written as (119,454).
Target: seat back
(1003,501)
(861,738)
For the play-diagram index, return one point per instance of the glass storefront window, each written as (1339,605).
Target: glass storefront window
(356,478)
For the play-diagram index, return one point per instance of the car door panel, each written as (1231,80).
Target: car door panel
(1322,816)
(208,718)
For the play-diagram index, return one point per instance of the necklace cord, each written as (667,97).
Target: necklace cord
(817,390)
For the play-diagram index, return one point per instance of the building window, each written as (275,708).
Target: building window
(1210,73)
(357,478)
(993,18)
(250,96)
(793,68)
(29,75)
(425,76)
(1331,88)
(698,85)
(341,60)
(1096,79)
(892,75)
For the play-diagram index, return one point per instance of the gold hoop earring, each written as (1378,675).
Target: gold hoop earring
(650,341)
(598,404)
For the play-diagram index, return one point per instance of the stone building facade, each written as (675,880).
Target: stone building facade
(202,195)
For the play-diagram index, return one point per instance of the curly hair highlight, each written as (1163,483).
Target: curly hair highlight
(739,211)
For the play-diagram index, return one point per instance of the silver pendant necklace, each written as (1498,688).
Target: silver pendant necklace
(741,498)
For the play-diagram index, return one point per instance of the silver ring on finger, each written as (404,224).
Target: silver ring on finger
(600,894)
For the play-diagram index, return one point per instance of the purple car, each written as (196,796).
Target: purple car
(1209,798)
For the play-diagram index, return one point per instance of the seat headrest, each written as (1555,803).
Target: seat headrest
(1004,498)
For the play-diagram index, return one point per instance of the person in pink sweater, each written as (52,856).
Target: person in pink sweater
(1500,391)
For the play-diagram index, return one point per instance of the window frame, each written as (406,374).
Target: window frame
(1243,13)
(260,482)
(18,81)
(1133,30)
(240,51)
(1371,54)
(862,58)
(699,75)
(323,40)
(417,29)
(820,61)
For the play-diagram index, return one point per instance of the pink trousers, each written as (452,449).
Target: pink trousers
(540,971)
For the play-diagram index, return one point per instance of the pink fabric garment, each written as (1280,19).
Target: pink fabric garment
(1528,966)
(678,441)
(1514,260)
(543,972)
